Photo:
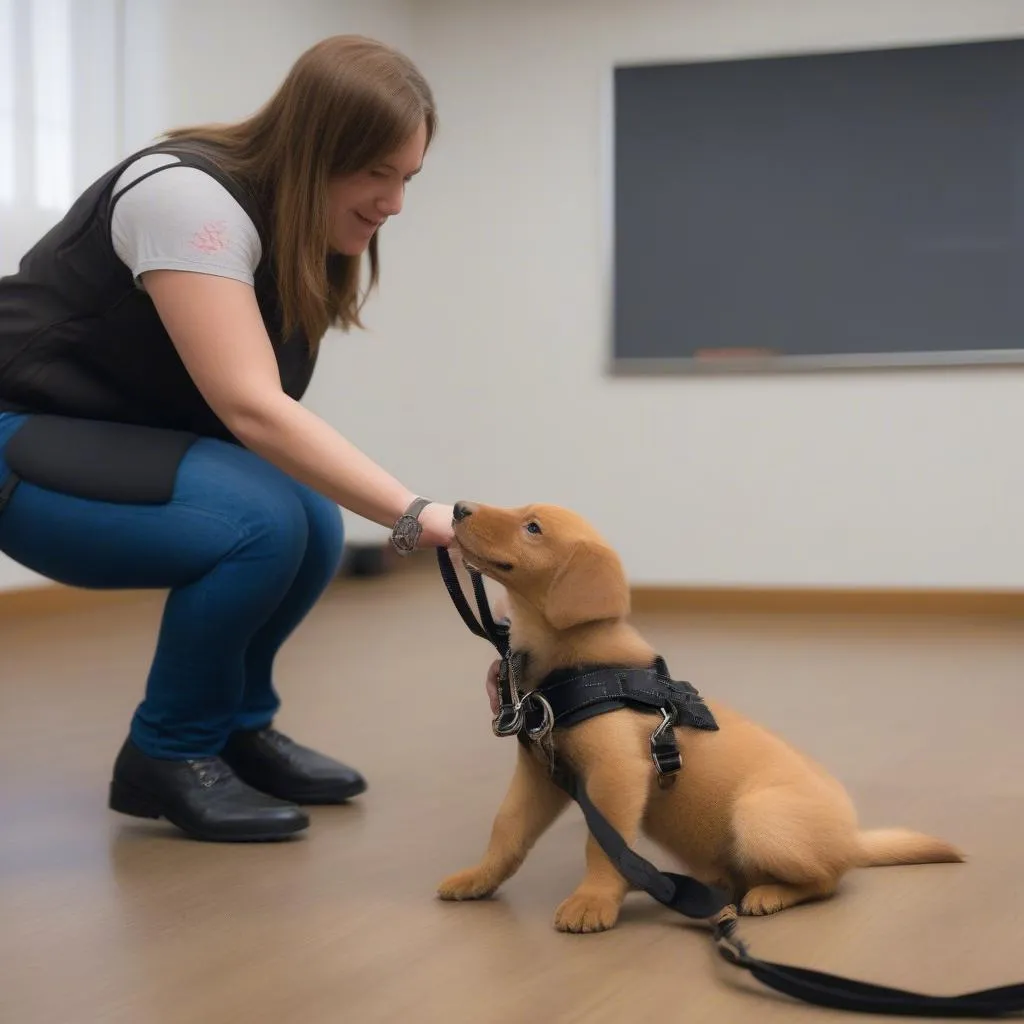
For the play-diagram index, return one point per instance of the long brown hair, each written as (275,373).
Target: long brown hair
(347,103)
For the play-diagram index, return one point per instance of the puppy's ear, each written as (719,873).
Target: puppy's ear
(590,586)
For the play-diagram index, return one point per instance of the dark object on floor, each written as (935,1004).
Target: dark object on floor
(366,560)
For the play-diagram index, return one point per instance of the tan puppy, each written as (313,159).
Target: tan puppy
(747,813)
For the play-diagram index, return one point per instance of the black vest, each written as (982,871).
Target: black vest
(78,338)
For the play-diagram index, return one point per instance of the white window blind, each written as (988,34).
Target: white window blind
(52,174)
(36,72)
(7,106)
(60,110)
(61,114)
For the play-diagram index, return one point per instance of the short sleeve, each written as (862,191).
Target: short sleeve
(168,216)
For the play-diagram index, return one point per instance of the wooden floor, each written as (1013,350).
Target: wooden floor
(110,920)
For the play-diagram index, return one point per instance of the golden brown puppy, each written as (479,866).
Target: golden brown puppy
(748,813)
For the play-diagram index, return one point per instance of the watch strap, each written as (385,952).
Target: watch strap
(416,507)
(406,531)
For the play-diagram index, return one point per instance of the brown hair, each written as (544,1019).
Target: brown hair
(347,103)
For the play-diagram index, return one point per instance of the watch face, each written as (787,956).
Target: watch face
(406,533)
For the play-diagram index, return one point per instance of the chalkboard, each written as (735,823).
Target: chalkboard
(827,209)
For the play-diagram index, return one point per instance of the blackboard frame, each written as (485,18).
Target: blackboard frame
(750,360)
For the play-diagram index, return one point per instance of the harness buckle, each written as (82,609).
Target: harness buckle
(504,725)
(511,714)
(664,750)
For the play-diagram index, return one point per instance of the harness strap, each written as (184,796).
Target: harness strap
(566,697)
(569,693)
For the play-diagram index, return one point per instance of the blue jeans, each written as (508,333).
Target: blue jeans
(245,551)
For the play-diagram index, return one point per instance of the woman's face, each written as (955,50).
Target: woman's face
(360,203)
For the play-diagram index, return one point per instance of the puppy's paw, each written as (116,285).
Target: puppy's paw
(587,912)
(471,884)
(764,899)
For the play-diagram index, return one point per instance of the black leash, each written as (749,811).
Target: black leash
(486,628)
(692,898)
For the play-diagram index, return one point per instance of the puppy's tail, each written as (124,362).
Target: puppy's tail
(883,847)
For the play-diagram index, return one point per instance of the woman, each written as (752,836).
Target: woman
(187,290)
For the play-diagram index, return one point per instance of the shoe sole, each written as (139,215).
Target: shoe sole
(326,797)
(127,800)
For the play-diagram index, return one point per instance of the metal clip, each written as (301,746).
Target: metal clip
(668,719)
(510,717)
(502,725)
(664,751)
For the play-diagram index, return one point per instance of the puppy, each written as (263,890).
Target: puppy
(748,813)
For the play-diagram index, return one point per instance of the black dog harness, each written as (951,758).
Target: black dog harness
(565,698)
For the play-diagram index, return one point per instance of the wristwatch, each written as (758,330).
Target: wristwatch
(407,530)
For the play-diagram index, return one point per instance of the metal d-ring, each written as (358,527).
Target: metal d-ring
(547,722)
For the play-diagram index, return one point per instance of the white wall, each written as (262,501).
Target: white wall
(494,291)
(197,60)
(876,479)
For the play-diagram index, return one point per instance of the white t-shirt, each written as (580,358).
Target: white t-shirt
(181,218)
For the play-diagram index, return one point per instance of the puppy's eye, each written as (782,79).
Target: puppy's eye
(533,527)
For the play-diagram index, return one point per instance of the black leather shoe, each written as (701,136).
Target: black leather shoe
(272,763)
(202,796)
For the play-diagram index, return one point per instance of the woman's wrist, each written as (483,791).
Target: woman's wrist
(404,499)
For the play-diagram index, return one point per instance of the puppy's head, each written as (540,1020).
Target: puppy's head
(549,557)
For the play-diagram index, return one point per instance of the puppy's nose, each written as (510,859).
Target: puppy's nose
(462,510)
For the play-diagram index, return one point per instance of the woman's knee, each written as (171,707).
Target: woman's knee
(325,525)
(259,501)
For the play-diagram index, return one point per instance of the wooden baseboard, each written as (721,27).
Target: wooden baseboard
(54,598)
(831,601)
(49,599)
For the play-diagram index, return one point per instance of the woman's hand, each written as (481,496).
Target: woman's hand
(436,520)
(492,686)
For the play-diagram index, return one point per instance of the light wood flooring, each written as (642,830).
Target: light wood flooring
(108,920)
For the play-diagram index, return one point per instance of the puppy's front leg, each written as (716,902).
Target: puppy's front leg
(619,791)
(531,804)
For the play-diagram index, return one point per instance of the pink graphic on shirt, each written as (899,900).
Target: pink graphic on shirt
(212,238)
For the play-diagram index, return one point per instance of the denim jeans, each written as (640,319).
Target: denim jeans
(245,552)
